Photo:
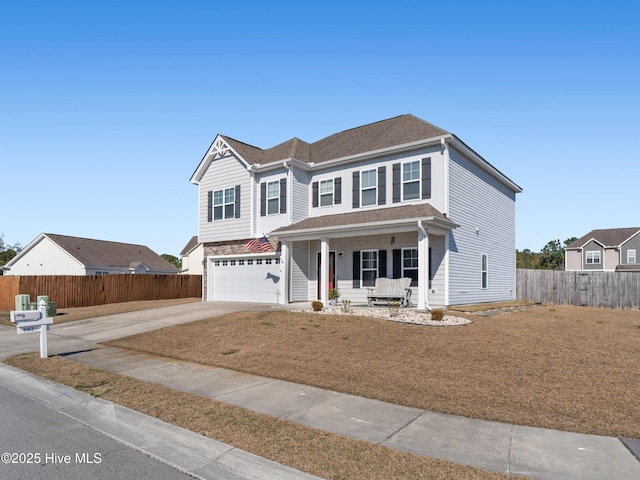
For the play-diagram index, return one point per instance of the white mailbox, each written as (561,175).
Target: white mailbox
(25,315)
(32,321)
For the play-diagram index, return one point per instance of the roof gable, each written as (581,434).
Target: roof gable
(611,237)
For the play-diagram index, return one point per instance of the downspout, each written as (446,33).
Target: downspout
(425,275)
(287,166)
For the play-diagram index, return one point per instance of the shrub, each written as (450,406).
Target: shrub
(316,306)
(437,315)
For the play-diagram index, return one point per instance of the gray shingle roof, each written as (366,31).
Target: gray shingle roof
(611,237)
(374,136)
(368,216)
(189,246)
(102,253)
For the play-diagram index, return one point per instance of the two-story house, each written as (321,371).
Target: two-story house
(396,198)
(611,249)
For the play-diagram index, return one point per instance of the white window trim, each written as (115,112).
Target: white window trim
(224,204)
(402,260)
(362,269)
(332,193)
(593,254)
(374,188)
(418,180)
(275,197)
(484,274)
(635,258)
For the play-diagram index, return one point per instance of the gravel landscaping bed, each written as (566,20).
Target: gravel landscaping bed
(403,315)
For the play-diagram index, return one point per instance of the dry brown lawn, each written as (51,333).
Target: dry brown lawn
(319,453)
(565,368)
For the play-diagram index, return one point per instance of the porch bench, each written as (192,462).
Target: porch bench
(390,289)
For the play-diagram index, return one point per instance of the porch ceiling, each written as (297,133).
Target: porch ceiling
(367,222)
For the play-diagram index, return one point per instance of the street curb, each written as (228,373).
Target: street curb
(180,448)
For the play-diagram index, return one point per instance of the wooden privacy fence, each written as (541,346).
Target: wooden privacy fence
(619,290)
(70,291)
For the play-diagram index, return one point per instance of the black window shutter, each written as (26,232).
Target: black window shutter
(382,263)
(237,202)
(283,195)
(263,199)
(426,178)
(315,194)
(356,189)
(396,182)
(382,185)
(337,193)
(356,269)
(397,263)
(209,206)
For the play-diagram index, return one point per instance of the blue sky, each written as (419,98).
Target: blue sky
(107,109)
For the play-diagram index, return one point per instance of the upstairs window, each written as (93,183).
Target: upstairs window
(631,256)
(224,203)
(593,257)
(369,187)
(411,180)
(273,197)
(326,193)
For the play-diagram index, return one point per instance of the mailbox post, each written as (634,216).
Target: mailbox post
(31,321)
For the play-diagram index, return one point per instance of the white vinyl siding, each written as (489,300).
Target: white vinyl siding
(300,273)
(47,258)
(223,174)
(301,192)
(485,210)
(345,173)
(270,221)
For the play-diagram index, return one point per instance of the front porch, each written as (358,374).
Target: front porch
(313,267)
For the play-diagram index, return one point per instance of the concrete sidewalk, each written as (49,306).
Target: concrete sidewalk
(533,452)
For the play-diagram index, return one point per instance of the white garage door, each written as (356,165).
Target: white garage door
(245,279)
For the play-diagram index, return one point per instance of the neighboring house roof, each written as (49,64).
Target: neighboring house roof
(611,237)
(369,217)
(191,244)
(102,253)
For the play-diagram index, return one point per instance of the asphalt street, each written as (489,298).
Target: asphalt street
(39,443)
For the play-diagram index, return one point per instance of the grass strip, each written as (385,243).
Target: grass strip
(319,453)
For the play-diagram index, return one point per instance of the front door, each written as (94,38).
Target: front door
(332,271)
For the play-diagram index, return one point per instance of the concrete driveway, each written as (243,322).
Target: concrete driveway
(83,334)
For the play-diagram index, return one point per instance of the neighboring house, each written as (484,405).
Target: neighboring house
(396,198)
(614,249)
(51,254)
(192,257)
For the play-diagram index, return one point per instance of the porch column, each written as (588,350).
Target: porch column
(423,267)
(324,270)
(285,293)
